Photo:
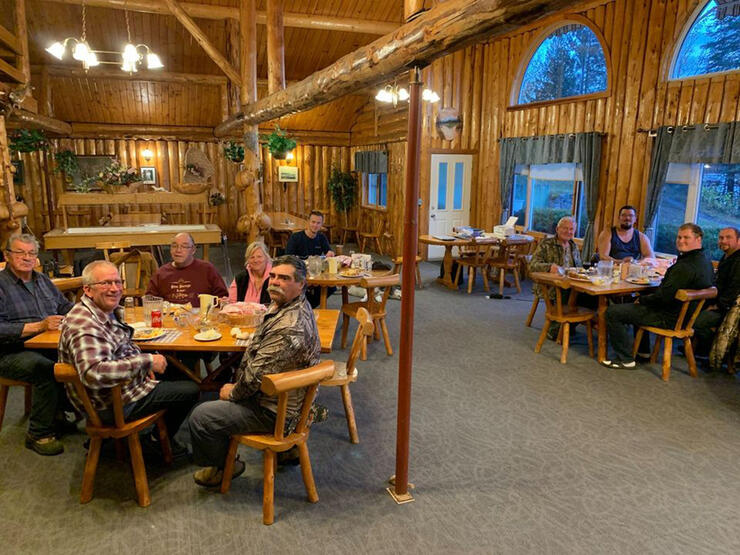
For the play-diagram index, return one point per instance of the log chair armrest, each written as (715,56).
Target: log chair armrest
(696,294)
(381,281)
(274,384)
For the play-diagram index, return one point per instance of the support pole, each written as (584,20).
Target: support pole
(275,47)
(410,247)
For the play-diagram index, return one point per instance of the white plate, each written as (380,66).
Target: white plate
(639,281)
(150,333)
(203,337)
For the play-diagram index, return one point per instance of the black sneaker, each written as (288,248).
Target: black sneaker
(47,446)
(619,364)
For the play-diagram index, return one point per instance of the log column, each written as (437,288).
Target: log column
(275,46)
(21,31)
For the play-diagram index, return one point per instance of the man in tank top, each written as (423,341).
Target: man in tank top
(624,242)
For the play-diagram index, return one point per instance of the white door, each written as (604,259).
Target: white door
(449,196)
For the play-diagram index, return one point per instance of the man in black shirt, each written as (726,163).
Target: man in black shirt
(728,288)
(311,242)
(692,270)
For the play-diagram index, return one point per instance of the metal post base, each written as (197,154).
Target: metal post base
(400,499)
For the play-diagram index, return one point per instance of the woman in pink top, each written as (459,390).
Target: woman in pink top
(251,284)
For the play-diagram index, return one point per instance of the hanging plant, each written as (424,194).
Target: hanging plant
(234,152)
(28,140)
(278,143)
(216,198)
(343,189)
(66,162)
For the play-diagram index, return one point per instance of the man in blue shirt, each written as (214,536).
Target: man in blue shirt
(31,304)
(311,242)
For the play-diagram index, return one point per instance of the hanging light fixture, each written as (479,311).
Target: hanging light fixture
(132,56)
(392,94)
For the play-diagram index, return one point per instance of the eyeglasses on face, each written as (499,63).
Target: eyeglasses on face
(108,283)
(176,247)
(24,254)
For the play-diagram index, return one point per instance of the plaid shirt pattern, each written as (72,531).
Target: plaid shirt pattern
(99,346)
(20,305)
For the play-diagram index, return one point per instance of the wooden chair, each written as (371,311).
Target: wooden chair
(564,315)
(136,268)
(398,263)
(349,230)
(477,258)
(507,260)
(108,246)
(682,330)
(71,287)
(98,431)
(373,235)
(375,308)
(275,241)
(5,385)
(346,373)
(281,385)
(532,310)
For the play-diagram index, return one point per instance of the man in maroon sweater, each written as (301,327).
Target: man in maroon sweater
(186,277)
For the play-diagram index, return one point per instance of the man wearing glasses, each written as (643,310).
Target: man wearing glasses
(31,304)
(98,344)
(186,277)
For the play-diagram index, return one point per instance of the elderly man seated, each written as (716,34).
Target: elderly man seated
(287,339)
(30,304)
(692,270)
(728,289)
(625,242)
(553,255)
(186,277)
(97,342)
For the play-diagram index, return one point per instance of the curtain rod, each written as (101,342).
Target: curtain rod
(569,135)
(671,129)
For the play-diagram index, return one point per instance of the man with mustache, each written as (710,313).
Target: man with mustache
(624,243)
(287,339)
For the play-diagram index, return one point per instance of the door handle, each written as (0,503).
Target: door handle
(432,215)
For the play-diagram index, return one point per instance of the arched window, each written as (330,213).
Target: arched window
(568,62)
(712,42)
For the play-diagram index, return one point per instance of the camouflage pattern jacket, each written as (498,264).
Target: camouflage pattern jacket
(549,252)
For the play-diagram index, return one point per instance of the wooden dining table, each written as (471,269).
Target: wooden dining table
(326,321)
(602,293)
(326,280)
(447,278)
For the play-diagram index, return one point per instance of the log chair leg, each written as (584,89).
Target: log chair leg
(363,352)
(501,280)
(530,316)
(164,441)
(139,470)
(349,412)
(590,338)
(91,466)
(638,339)
(418,276)
(690,356)
(457,275)
(3,402)
(27,399)
(484,271)
(516,280)
(229,465)
(656,349)
(345,329)
(268,496)
(543,336)
(313,495)
(471,278)
(386,337)
(565,326)
(667,348)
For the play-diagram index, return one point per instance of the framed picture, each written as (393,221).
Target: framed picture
(148,175)
(89,166)
(288,173)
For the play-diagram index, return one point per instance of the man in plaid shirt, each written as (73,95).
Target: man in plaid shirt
(30,304)
(97,342)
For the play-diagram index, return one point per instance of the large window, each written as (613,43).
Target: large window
(569,62)
(542,194)
(706,194)
(711,44)
(375,190)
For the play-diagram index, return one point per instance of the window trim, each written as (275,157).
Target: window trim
(570,19)
(363,193)
(675,49)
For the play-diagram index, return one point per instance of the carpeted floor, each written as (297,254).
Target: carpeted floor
(511,452)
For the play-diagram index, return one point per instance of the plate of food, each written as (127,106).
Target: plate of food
(208,335)
(652,281)
(147,334)
(351,273)
(578,275)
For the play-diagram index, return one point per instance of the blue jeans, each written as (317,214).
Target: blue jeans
(38,370)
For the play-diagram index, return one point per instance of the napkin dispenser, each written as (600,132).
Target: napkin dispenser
(505,230)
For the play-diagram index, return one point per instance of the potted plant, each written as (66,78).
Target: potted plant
(66,163)
(234,152)
(28,140)
(279,144)
(216,199)
(343,190)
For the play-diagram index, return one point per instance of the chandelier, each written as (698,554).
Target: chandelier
(391,94)
(132,56)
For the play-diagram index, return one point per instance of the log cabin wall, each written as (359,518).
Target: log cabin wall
(640,37)
(314,163)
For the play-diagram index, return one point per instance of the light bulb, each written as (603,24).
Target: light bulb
(129,67)
(403,94)
(290,155)
(130,54)
(91,60)
(56,50)
(147,154)
(153,61)
(81,52)
(430,96)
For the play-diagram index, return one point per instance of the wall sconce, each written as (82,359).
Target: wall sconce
(290,156)
(147,154)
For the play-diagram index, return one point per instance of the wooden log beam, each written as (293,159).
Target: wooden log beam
(26,119)
(10,71)
(202,39)
(446,27)
(112,130)
(10,40)
(21,32)
(275,46)
(208,11)
(59,70)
